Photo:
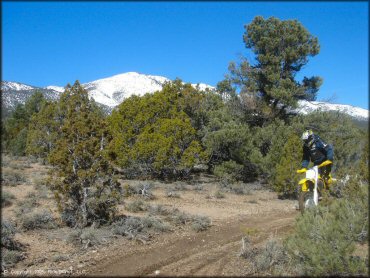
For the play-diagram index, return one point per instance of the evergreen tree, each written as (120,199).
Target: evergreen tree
(268,87)
(285,180)
(43,131)
(15,127)
(82,178)
(153,136)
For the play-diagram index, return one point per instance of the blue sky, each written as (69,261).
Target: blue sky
(55,43)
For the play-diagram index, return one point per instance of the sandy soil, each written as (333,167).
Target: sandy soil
(214,252)
(182,252)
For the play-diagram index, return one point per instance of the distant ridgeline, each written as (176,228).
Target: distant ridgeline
(111,91)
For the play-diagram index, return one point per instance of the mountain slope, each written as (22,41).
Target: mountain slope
(111,91)
(306,107)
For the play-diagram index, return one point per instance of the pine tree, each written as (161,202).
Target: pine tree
(268,86)
(82,179)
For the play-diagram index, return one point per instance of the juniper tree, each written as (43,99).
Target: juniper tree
(285,179)
(153,135)
(15,127)
(43,131)
(82,179)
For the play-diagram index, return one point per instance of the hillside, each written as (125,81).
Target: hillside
(111,91)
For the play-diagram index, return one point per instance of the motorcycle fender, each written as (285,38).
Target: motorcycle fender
(303,184)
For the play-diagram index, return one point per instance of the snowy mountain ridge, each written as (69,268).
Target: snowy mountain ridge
(111,91)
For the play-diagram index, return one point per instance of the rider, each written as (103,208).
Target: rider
(315,150)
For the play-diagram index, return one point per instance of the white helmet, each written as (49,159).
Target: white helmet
(306,135)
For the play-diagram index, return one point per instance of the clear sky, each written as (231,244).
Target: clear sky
(55,43)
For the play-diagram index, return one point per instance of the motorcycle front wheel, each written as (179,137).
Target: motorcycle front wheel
(305,199)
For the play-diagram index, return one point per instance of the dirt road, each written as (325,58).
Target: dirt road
(213,252)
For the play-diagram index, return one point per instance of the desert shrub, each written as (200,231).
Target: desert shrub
(271,255)
(37,220)
(7,236)
(324,238)
(143,189)
(136,206)
(200,223)
(10,257)
(198,187)
(10,248)
(90,236)
(73,236)
(6,198)
(219,195)
(12,178)
(234,187)
(42,191)
(27,205)
(59,258)
(129,226)
(247,251)
(229,170)
(38,180)
(159,210)
(152,223)
(5,161)
(180,218)
(270,259)
(17,165)
(180,186)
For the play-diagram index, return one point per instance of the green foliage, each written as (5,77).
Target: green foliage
(286,179)
(229,170)
(6,198)
(229,143)
(43,131)
(324,238)
(15,127)
(82,178)
(269,87)
(364,160)
(37,220)
(200,223)
(268,142)
(10,248)
(347,139)
(153,136)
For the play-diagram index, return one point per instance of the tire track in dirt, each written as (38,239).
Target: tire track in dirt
(213,252)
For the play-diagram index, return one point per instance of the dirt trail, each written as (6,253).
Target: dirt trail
(213,252)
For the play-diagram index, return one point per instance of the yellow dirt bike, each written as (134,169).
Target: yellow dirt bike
(311,187)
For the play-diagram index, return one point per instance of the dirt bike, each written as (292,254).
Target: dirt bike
(311,188)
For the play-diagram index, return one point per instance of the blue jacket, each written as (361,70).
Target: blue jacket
(317,152)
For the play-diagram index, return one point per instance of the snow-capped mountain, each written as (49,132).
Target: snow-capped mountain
(14,93)
(14,86)
(306,107)
(55,88)
(111,91)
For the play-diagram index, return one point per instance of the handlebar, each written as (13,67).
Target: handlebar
(325,163)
